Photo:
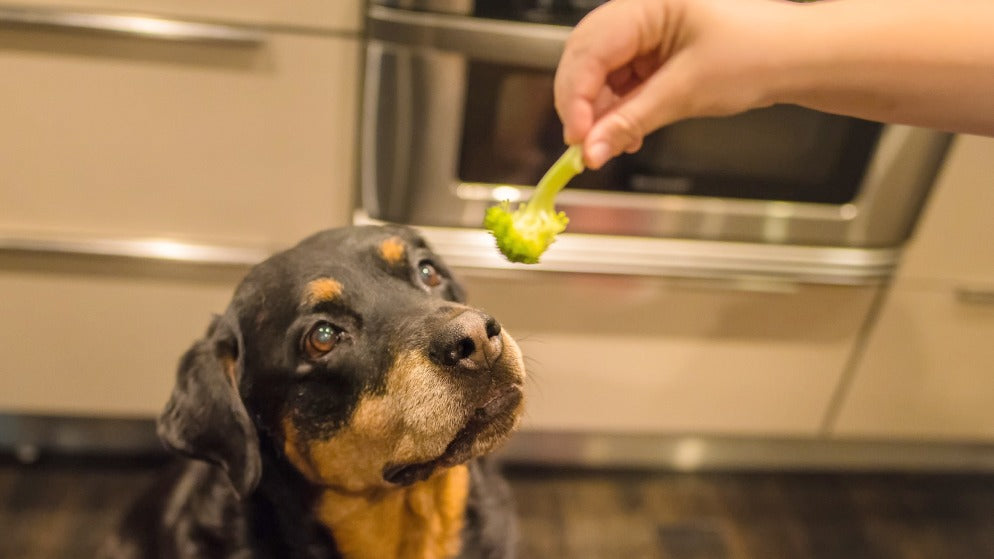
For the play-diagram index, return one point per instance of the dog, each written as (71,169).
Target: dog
(341,407)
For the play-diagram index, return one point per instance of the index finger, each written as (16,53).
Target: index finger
(598,45)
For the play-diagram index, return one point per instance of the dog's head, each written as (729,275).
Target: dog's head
(354,354)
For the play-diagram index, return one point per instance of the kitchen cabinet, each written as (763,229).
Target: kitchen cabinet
(95,337)
(130,137)
(642,355)
(246,146)
(927,370)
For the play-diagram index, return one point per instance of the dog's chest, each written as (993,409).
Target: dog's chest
(423,521)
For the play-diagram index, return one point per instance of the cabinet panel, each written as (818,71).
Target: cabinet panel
(953,238)
(928,370)
(128,137)
(92,337)
(644,355)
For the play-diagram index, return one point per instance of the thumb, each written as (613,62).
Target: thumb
(653,104)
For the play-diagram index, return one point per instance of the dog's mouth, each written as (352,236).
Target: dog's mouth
(496,414)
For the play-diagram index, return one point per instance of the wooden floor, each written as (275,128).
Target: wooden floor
(62,509)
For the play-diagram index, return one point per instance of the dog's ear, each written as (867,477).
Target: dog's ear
(205,417)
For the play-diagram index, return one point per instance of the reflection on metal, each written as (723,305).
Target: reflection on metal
(445,6)
(530,44)
(710,453)
(643,256)
(144,249)
(127,24)
(759,209)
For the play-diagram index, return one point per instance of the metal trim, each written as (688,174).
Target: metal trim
(644,256)
(529,44)
(30,436)
(690,453)
(132,25)
(445,6)
(143,249)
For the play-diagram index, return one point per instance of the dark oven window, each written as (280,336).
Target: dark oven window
(556,12)
(512,135)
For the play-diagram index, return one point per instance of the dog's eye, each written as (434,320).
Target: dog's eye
(321,339)
(429,274)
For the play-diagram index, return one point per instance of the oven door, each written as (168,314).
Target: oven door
(458,115)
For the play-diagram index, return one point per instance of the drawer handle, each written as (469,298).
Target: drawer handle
(975,295)
(142,249)
(147,27)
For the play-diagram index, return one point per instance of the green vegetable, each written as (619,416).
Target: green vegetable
(523,234)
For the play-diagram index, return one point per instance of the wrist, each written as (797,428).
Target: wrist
(789,49)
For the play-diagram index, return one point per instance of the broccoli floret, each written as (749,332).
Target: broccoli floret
(525,233)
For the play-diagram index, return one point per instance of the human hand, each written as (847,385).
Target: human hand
(632,66)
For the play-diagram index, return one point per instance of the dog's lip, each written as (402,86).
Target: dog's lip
(500,402)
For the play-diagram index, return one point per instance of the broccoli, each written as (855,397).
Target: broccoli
(524,234)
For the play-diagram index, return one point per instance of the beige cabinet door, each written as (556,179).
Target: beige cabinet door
(650,355)
(953,239)
(123,137)
(928,367)
(99,337)
(928,370)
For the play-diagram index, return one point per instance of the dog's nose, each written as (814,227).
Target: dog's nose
(470,341)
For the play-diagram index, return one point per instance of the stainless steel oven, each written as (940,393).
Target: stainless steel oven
(458,114)
(712,287)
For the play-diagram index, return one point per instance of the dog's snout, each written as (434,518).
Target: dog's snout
(470,341)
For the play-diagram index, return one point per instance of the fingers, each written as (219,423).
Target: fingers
(622,127)
(594,51)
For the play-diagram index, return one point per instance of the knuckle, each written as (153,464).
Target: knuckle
(628,129)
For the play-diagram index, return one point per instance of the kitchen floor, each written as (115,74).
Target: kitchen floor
(62,508)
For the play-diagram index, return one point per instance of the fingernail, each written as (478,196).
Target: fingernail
(598,155)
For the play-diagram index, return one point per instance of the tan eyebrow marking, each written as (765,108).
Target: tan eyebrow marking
(392,250)
(322,290)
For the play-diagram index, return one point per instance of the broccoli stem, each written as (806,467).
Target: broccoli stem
(569,164)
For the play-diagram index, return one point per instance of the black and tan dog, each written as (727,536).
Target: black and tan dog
(338,408)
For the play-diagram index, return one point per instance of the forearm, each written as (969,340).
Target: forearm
(922,62)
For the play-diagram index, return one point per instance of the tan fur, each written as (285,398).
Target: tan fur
(230,366)
(392,250)
(422,521)
(322,290)
(412,421)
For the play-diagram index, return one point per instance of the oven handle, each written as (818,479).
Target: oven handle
(744,263)
(164,250)
(146,27)
(507,42)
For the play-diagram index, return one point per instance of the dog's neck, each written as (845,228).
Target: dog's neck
(420,521)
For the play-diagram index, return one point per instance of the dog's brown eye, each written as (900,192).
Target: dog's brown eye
(321,339)
(429,274)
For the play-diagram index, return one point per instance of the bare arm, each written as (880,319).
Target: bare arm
(633,66)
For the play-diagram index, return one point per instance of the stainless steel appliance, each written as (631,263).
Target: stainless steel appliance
(714,286)
(458,114)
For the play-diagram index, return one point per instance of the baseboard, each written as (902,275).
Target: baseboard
(29,436)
